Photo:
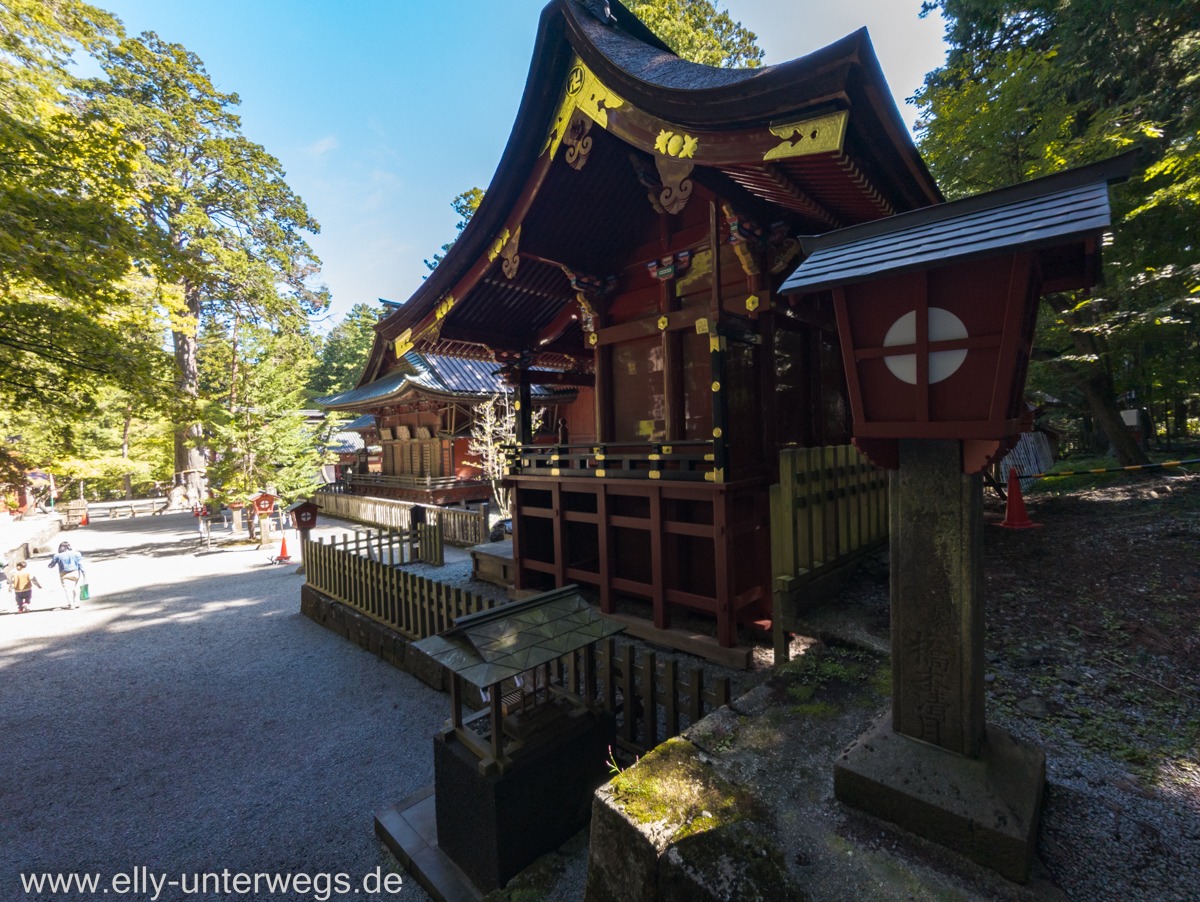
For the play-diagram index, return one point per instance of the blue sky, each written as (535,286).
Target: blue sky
(381,112)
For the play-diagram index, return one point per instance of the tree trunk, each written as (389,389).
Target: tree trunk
(125,451)
(1095,382)
(189,438)
(1181,418)
(233,367)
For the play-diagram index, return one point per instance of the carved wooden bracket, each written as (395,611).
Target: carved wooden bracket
(578,141)
(509,260)
(677,187)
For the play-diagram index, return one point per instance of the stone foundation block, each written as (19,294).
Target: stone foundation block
(671,829)
(986,808)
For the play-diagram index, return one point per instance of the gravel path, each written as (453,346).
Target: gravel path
(188,719)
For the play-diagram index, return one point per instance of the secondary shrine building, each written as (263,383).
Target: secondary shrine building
(630,247)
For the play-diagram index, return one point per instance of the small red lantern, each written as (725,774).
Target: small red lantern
(264,503)
(304,515)
(936,308)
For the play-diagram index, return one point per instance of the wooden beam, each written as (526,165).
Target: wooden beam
(640,328)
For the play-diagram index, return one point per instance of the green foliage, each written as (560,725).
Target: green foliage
(465,206)
(132,204)
(345,351)
(699,32)
(1035,86)
(93,448)
(264,440)
(66,183)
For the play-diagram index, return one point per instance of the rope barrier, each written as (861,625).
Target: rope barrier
(1165,463)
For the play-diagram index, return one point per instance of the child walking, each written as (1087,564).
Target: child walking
(23,582)
(70,572)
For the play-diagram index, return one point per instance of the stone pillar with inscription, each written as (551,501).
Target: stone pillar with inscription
(933,765)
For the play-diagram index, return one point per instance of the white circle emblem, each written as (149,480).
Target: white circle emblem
(943,326)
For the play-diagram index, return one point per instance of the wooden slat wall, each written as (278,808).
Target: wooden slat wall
(830,505)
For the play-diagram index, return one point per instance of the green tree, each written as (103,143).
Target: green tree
(465,206)
(345,351)
(265,439)
(1035,86)
(66,247)
(699,32)
(215,211)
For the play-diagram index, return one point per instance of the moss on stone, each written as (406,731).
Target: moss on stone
(815,709)
(802,692)
(672,785)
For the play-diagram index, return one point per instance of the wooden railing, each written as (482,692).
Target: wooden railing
(410,604)
(614,678)
(830,506)
(690,460)
(459,527)
(655,686)
(412,482)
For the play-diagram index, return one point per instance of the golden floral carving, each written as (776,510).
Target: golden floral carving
(674,144)
(497,245)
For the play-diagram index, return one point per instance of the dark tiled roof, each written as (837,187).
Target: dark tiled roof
(492,646)
(448,375)
(366,421)
(345,442)
(654,65)
(1042,213)
(365,394)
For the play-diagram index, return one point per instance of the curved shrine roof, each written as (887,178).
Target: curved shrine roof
(747,136)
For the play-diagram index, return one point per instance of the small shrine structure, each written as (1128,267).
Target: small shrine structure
(420,411)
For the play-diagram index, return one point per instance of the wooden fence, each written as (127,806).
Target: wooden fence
(361,574)
(637,691)
(829,508)
(373,585)
(459,527)
(655,686)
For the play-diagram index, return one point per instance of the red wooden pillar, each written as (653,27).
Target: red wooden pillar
(604,529)
(723,545)
(560,536)
(662,616)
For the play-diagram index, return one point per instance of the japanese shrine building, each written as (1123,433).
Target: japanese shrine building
(420,412)
(633,239)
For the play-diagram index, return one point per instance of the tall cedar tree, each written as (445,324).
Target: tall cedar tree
(66,179)
(222,222)
(1030,88)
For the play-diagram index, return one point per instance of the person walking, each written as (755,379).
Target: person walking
(70,571)
(23,582)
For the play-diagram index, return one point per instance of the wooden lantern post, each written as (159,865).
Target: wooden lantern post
(264,505)
(936,312)
(304,518)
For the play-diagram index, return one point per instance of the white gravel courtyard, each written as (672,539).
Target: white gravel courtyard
(189,720)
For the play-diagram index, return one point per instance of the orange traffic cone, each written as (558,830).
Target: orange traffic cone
(1014,514)
(283,555)
(83,522)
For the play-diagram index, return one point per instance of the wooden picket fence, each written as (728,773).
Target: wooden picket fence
(656,685)
(362,574)
(459,527)
(638,688)
(830,506)
(374,585)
